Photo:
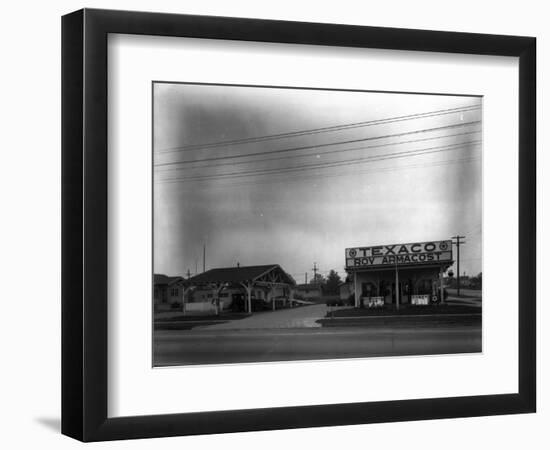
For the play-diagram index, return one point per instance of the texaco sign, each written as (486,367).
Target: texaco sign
(399,254)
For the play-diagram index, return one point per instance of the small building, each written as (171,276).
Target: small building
(167,291)
(310,292)
(399,273)
(244,288)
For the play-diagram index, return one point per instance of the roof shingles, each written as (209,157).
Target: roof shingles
(160,279)
(235,274)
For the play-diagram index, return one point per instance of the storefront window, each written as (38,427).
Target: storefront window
(369,289)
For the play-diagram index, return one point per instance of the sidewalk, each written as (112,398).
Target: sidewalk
(302,317)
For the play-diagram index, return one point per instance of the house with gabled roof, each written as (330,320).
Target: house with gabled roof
(167,291)
(242,287)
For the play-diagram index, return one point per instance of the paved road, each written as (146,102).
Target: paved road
(475,293)
(301,317)
(476,302)
(467,301)
(214,346)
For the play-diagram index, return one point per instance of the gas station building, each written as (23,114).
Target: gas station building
(399,273)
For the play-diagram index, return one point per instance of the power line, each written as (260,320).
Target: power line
(331,175)
(417,152)
(477,229)
(346,173)
(370,159)
(307,147)
(319,130)
(282,179)
(277,158)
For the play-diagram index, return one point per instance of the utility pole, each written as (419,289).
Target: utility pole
(188,274)
(396,287)
(306,277)
(204,258)
(457,241)
(315,269)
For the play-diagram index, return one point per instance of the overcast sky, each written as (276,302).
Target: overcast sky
(294,176)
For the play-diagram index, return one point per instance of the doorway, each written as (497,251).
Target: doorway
(404,292)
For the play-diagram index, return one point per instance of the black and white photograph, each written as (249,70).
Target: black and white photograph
(275,225)
(294,224)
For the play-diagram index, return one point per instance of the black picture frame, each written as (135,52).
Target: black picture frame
(84,224)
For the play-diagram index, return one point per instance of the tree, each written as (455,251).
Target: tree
(333,282)
(477,281)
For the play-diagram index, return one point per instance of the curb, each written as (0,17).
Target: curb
(391,316)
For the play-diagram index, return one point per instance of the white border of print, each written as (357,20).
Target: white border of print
(137,389)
